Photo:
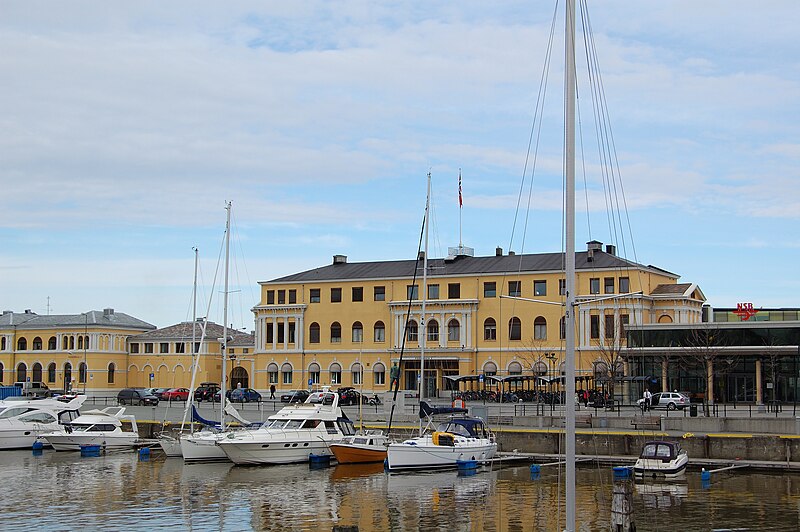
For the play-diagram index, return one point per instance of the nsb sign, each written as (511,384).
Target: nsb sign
(745,311)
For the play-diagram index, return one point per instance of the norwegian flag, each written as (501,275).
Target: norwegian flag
(460,199)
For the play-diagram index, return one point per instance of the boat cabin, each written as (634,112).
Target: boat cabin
(666,451)
(467,427)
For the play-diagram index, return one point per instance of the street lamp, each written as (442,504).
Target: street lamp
(85,341)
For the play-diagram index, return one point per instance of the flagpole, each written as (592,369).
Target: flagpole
(460,209)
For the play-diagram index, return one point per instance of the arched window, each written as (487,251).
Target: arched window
(313,372)
(490,368)
(379,374)
(37,372)
(540,328)
(540,368)
(82,373)
(433,331)
(514,329)
(412,331)
(51,372)
(67,376)
(22,372)
(111,373)
(272,373)
(489,329)
(80,342)
(335,371)
(313,333)
(515,368)
(3,343)
(51,343)
(37,345)
(22,344)
(358,332)
(453,331)
(72,342)
(357,374)
(336,332)
(286,371)
(380,332)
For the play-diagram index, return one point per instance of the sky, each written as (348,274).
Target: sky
(126,126)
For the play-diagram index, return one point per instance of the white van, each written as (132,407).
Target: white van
(34,389)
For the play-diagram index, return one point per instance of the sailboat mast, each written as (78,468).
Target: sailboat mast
(225,318)
(569,226)
(423,328)
(190,401)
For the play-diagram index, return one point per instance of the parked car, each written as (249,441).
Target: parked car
(244,395)
(206,391)
(176,394)
(34,389)
(216,396)
(136,396)
(350,396)
(294,396)
(668,400)
(158,392)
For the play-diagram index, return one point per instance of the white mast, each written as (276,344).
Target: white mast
(225,318)
(569,359)
(423,328)
(190,401)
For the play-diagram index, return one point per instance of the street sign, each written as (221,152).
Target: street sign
(152,375)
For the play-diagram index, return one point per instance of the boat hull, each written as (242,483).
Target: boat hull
(658,469)
(274,453)
(171,446)
(358,454)
(202,448)
(22,438)
(107,442)
(426,455)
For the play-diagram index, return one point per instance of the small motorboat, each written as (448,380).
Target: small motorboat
(361,448)
(660,458)
(97,427)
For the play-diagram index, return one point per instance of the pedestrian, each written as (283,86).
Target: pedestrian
(586,398)
(647,397)
(272,391)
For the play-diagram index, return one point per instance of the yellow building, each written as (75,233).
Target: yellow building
(84,352)
(344,324)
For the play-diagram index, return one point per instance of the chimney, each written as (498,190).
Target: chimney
(421,255)
(594,245)
(511,253)
(611,249)
(340,259)
(108,312)
(27,311)
(7,312)
(498,251)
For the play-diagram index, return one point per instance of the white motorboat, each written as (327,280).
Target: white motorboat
(202,446)
(664,459)
(23,421)
(97,427)
(293,434)
(459,439)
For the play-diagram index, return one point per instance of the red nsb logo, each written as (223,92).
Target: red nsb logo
(745,311)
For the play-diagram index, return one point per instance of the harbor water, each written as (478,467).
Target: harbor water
(64,491)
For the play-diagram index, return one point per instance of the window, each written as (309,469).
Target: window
(489,369)
(22,344)
(270,333)
(111,373)
(134,348)
(608,285)
(624,285)
(281,297)
(412,292)
(562,287)
(412,331)
(609,325)
(379,293)
(336,333)
(3,343)
(291,332)
(433,291)
(540,288)
(515,288)
(489,289)
(82,373)
(562,328)
(313,333)
(313,373)
(336,373)
(37,372)
(272,373)
(336,295)
(379,334)
(515,368)
(281,333)
(358,332)
(270,297)
(51,343)
(313,295)
(292,297)
(358,293)
(594,326)
(148,347)
(453,290)
(594,285)
(514,329)
(22,373)
(453,331)
(379,374)
(489,329)
(357,374)
(540,328)
(180,347)
(37,344)
(51,372)
(163,347)
(286,371)
(433,330)
(624,320)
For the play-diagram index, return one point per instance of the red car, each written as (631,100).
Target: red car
(175,394)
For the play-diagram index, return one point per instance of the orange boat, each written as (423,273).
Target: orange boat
(361,448)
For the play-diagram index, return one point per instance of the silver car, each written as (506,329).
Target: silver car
(668,400)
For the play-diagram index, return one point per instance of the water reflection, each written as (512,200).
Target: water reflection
(62,490)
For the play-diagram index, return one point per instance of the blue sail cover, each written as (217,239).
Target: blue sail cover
(426,410)
(196,417)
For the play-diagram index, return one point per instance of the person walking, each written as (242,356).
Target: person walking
(647,398)
(272,391)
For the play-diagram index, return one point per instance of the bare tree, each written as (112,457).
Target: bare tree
(609,353)
(701,347)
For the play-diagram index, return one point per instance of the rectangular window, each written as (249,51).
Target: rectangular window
(273,377)
(314,295)
(540,288)
(358,335)
(163,347)
(180,347)
(281,332)
(357,377)
(562,287)
(380,334)
(594,326)
(490,330)
(270,333)
(412,292)
(609,326)
(314,376)
(379,378)
(148,347)
(489,289)
(358,293)
(624,285)
(608,285)
(292,297)
(287,377)
(379,293)
(197,347)
(336,295)
(291,332)
(594,285)
(515,288)
(336,377)
(134,348)
(433,291)
(454,291)
(281,297)
(270,297)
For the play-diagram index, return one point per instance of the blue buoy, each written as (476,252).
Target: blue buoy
(37,445)
(386,464)
(622,471)
(467,472)
(535,468)
(705,475)
(144,454)
(464,465)
(90,450)
(319,460)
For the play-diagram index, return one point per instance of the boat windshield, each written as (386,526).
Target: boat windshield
(294,424)
(657,450)
(455,428)
(277,424)
(14,411)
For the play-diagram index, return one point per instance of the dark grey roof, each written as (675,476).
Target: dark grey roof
(92,318)
(670,289)
(183,332)
(462,265)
